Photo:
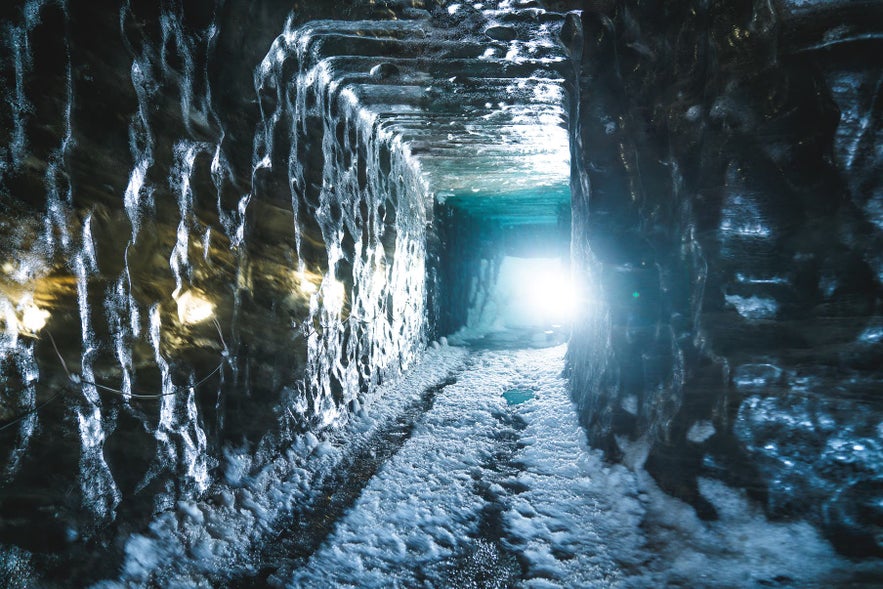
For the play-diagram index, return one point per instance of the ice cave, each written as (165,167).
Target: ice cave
(441,294)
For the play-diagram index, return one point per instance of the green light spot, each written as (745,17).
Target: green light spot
(636,294)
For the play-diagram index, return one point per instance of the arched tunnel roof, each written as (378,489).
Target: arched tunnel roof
(475,96)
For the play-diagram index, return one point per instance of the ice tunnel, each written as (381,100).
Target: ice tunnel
(428,293)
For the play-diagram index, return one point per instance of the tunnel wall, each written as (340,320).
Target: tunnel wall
(727,239)
(161,157)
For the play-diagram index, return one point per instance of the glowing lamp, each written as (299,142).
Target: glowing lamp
(192,308)
(334,293)
(33,318)
(306,286)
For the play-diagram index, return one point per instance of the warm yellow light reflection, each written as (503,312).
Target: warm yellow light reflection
(192,308)
(33,318)
(305,284)
(334,293)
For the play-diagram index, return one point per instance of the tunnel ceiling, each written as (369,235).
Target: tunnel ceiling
(475,96)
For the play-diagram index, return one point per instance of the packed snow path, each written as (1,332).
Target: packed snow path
(472,471)
(478,482)
(488,494)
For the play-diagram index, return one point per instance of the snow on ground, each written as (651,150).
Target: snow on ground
(578,522)
(742,549)
(569,519)
(572,520)
(216,538)
(423,509)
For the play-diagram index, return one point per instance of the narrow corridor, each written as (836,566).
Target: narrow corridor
(494,486)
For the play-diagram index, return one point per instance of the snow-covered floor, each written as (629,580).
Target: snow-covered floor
(481,494)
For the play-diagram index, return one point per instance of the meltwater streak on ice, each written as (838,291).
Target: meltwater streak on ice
(180,438)
(173,29)
(29,372)
(18,42)
(59,192)
(141,146)
(166,427)
(123,311)
(117,306)
(141,139)
(18,353)
(99,491)
(185,153)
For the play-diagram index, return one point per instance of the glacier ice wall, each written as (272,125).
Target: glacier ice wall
(727,239)
(207,241)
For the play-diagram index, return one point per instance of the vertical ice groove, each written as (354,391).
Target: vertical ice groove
(295,169)
(132,196)
(99,492)
(220,168)
(172,28)
(267,76)
(29,371)
(194,445)
(181,439)
(221,173)
(185,153)
(211,36)
(18,38)
(18,41)
(167,401)
(59,193)
(117,310)
(123,312)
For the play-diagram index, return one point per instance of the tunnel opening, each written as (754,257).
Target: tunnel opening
(505,272)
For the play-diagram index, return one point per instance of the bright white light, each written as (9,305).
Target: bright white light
(550,294)
(305,284)
(192,308)
(333,294)
(534,292)
(33,318)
